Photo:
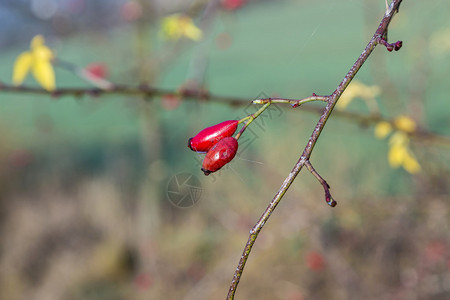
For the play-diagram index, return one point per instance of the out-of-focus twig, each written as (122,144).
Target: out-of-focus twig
(149,92)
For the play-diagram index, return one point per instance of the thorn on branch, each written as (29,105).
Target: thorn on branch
(143,87)
(328,198)
(192,89)
(56,94)
(394,46)
(95,92)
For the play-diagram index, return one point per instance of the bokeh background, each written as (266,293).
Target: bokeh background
(85,181)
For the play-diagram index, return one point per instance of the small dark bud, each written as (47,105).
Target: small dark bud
(330,201)
(94,92)
(56,94)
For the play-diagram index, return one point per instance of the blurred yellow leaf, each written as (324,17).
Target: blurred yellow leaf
(440,42)
(382,129)
(37,41)
(38,59)
(399,138)
(405,124)
(357,89)
(410,164)
(21,67)
(396,155)
(192,31)
(170,28)
(176,26)
(400,153)
(346,98)
(43,73)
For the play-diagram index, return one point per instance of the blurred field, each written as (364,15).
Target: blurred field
(84,208)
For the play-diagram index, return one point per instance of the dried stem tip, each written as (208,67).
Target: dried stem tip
(328,198)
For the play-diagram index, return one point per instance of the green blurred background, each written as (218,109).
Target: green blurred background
(85,181)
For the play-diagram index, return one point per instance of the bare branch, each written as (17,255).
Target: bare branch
(381,32)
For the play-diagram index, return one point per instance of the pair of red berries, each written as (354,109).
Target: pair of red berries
(218,143)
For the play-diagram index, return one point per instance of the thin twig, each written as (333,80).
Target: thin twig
(326,187)
(293,102)
(332,100)
(251,118)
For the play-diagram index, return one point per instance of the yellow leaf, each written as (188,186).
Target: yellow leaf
(357,90)
(175,26)
(42,53)
(38,59)
(44,74)
(37,41)
(365,91)
(396,155)
(193,32)
(400,153)
(21,67)
(382,129)
(405,124)
(410,164)
(399,138)
(345,99)
(170,28)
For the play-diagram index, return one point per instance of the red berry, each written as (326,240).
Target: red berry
(206,138)
(315,261)
(143,281)
(219,155)
(97,69)
(232,4)
(170,102)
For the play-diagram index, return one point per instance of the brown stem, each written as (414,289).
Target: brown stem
(195,95)
(334,97)
(328,199)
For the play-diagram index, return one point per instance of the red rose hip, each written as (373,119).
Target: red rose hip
(209,136)
(219,155)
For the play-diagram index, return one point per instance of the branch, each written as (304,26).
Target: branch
(126,90)
(380,33)
(187,94)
